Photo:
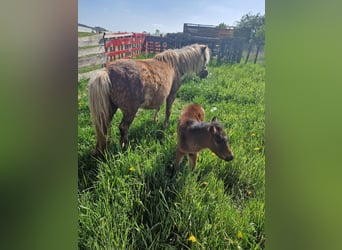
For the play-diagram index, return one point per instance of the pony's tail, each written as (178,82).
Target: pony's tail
(99,104)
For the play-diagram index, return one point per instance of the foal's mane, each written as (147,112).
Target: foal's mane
(201,125)
(187,59)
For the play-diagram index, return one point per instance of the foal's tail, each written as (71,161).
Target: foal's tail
(99,104)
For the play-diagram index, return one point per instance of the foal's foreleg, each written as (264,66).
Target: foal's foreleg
(192,160)
(179,157)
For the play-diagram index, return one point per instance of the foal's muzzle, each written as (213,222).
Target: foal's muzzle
(229,158)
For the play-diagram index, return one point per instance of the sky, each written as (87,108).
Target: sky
(166,16)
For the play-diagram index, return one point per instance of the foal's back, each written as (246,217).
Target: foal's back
(193,112)
(190,129)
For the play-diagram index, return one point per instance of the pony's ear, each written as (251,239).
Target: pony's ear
(203,48)
(214,119)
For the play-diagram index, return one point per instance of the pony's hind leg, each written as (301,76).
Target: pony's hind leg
(112,113)
(126,121)
(101,135)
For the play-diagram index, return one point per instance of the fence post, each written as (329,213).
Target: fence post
(257,53)
(249,51)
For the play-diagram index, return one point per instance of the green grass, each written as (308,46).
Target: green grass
(88,47)
(89,55)
(128,202)
(83,34)
(89,68)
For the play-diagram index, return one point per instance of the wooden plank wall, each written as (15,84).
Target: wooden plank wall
(91,52)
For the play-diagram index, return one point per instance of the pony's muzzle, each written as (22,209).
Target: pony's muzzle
(204,73)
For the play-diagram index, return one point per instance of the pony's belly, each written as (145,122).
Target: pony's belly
(154,98)
(152,101)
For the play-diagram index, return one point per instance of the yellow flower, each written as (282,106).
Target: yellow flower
(192,238)
(132,169)
(253,134)
(205,183)
(212,153)
(239,235)
(249,192)
(256,149)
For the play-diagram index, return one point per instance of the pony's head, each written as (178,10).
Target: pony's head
(205,54)
(189,59)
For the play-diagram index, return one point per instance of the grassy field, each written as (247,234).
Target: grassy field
(83,34)
(127,201)
(89,68)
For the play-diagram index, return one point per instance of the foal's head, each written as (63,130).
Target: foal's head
(218,141)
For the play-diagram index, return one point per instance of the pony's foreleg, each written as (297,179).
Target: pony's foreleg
(169,101)
(156,115)
(126,121)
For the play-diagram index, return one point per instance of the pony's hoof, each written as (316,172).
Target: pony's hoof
(124,146)
(97,154)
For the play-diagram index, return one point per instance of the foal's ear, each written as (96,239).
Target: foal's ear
(214,119)
(212,129)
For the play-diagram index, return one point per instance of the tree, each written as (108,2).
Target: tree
(222,26)
(259,40)
(251,28)
(157,33)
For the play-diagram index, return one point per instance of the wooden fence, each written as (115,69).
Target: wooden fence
(201,30)
(103,48)
(90,51)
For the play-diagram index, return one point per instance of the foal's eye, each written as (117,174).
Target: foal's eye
(220,140)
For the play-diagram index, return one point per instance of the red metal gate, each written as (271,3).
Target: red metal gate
(123,45)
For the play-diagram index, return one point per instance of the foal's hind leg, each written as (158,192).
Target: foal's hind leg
(126,121)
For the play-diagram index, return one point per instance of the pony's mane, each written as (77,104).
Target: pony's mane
(187,59)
